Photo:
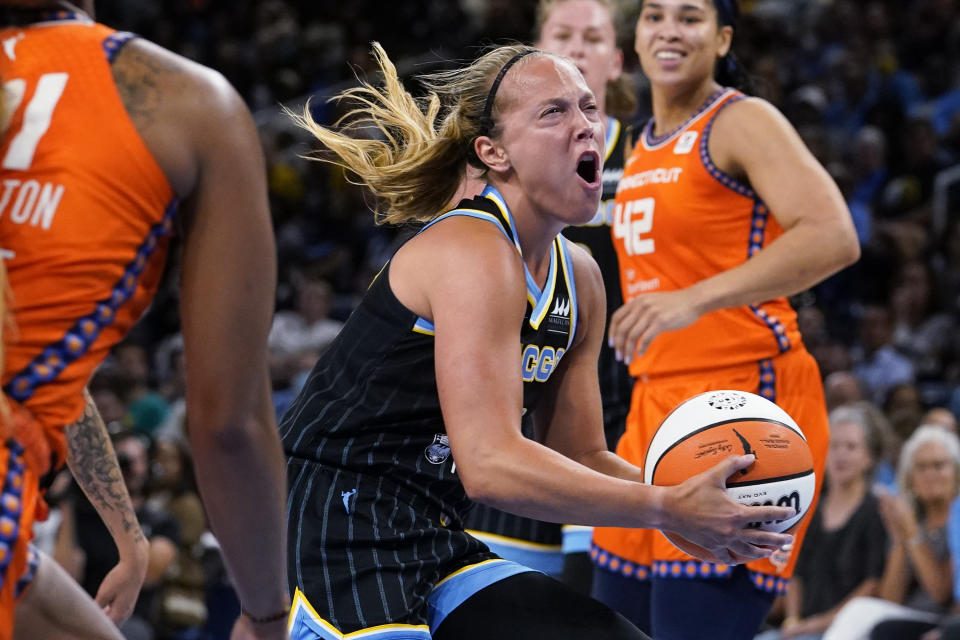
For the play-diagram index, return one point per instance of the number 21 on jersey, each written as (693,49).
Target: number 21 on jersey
(36,117)
(631,222)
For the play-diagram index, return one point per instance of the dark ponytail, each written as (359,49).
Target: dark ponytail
(729,71)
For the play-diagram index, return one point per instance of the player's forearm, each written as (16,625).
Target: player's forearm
(537,482)
(94,465)
(240,472)
(800,258)
(610,464)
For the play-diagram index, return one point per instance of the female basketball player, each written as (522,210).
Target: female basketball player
(582,30)
(720,213)
(415,409)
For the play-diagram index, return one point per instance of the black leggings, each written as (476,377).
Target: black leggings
(533,606)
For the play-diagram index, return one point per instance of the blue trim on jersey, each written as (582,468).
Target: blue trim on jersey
(723,178)
(114,43)
(11,505)
(615,564)
(544,297)
(83,333)
(768,380)
(459,586)
(758,227)
(651,141)
(567,266)
(577,539)
(610,141)
(545,558)
(306,624)
(491,193)
(768,583)
(689,569)
(62,16)
(470,213)
(779,332)
(424,326)
(538,298)
(33,562)
(758,232)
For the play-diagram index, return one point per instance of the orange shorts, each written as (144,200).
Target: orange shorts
(793,379)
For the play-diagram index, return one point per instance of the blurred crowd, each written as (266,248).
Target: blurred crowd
(873,87)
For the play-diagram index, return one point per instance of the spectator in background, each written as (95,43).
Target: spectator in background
(147,408)
(918,576)
(880,366)
(308,328)
(299,336)
(172,489)
(841,387)
(940,417)
(868,162)
(109,389)
(921,329)
(842,556)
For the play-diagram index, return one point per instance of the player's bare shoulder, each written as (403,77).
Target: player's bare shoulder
(176,105)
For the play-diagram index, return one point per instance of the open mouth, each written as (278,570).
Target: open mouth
(588,168)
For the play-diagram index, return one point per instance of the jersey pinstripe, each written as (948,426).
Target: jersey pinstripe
(375,508)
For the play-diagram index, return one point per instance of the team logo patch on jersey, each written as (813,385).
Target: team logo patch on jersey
(560,314)
(685,142)
(439,451)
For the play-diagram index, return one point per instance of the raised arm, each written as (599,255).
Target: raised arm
(477,314)
(94,466)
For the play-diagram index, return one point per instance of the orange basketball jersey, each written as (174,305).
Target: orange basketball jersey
(679,220)
(85,213)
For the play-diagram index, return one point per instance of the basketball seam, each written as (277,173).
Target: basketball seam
(711,426)
(748,483)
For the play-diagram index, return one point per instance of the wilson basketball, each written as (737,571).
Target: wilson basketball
(712,426)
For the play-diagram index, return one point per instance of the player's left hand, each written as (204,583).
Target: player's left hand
(118,592)
(635,324)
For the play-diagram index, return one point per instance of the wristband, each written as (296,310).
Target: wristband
(273,617)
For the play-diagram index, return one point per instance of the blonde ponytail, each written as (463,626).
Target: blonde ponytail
(417,159)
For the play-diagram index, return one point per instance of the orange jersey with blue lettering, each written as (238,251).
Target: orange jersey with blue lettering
(678,220)
(85,213)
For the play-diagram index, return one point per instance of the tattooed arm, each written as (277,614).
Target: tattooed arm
(94,465)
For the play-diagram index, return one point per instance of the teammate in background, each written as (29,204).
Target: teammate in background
(414,410)
(721,212)
(112,143)
(582,30)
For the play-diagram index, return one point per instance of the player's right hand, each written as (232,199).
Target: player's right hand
(700,511)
